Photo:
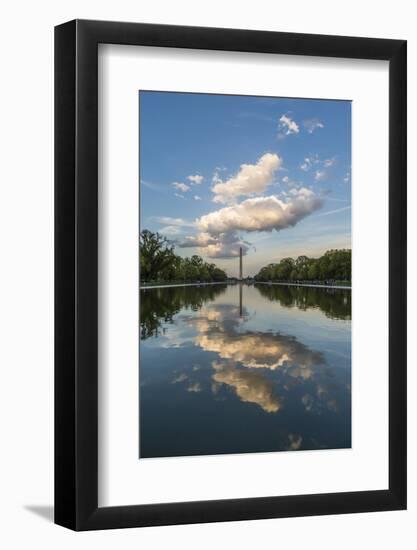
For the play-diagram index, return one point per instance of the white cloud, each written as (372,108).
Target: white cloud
(223,245)
(251,179)
(166,220)
(313,161)
(180,186)
(261,213)
(200,240)
(312,124)
(151,185)
(287,126)
(171,230)
(218,236)
(309,162)
(288,181)
(179,196)
(196,179)
(336,211)
(329,162)
(216,178)
(197,198)
(319,175)
(224,249)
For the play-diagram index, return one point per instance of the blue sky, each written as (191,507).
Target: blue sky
(270,175)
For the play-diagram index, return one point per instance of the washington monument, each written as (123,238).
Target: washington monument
(240,264)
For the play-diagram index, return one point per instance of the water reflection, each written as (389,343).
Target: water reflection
(250,387)
(229,370)
(334,302)
(257,350)
(159,305)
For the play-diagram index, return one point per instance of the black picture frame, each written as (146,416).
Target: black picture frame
(76,272)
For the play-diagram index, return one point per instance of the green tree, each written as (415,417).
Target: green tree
(158,262)
(156,255)
(333,265)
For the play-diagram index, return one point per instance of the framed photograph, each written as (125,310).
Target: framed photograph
(230,252)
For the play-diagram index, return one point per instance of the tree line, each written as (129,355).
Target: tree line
(159,263)
(334,265)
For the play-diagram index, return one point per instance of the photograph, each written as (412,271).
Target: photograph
(245,274)
(209,335)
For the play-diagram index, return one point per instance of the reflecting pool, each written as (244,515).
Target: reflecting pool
(243,369)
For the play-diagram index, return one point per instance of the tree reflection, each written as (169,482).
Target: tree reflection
(159,305)
(335,303)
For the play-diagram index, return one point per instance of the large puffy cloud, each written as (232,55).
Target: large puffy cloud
(262,213)
(218,237)
(251,179)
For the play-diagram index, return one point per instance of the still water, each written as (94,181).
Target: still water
(243,369)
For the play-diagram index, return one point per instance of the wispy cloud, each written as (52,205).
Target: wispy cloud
(312,124)
(151,185)
(319,175)
(336,199)
(320,166)
(195,179)
(180,186)
(171,230)
(167,220)
(327,163)
(197,198)
(308,162)
(289,181)
(336,211)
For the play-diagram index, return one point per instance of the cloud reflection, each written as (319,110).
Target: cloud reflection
(244,357)
(262,351)
(250,387)
(263,368)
